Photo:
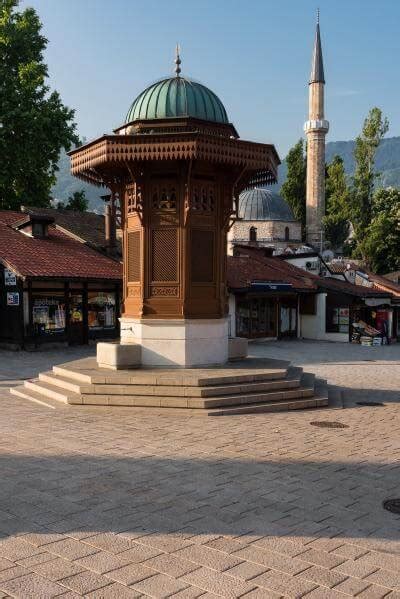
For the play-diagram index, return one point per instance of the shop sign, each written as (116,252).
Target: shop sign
(12,299)
(268,286)
(10,278)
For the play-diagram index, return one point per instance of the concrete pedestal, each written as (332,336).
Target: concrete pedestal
(118,356)
(184,343)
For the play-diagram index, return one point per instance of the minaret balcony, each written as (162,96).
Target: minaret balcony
(316,125)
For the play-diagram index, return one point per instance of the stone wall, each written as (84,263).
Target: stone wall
(268,231)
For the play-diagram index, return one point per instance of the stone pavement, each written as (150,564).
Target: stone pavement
(112,502)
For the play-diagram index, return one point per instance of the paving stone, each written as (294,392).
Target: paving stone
(205,556)
(352,586)
(283,583)
(375,592)
(218,583)
(324,593)
(5,564)
(70,549)
(246,570)
(114,591)
(15,548)
(160,586)
(108,542)
(166,542)
(139,553)
(32,585)
(57,569)
(349,551)
(323,576)
(130,574)
(382,560)
(386,578)
(40,558)
(190,593)
(226,545)
(13,572)
(103,562)
(321,558)
(273,560)
(39,539)
(171,565)
(85,582)
(280,545)
(356,568)
(262,594)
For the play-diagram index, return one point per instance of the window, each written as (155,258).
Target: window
(287,234)
(337,319)
(48,313)
(253,234)
(101,310)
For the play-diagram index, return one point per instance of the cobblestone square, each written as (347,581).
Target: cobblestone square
(121,502)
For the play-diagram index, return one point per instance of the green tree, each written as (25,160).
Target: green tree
(77,202)
(34,123)
(337,203)
(294,188)
(381,243)
(374,128)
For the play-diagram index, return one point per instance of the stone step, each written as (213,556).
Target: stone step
(281,406)
(164,390)
(171,377)
(158,401)
(51,391)
(24,393)
(65,383)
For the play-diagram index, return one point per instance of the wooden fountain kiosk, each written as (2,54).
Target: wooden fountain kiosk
(175,169)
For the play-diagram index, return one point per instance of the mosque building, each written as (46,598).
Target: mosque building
(265,219)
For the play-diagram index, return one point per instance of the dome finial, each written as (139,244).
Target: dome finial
(177,60)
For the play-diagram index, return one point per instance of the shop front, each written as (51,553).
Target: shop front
(266,315)
(75,314)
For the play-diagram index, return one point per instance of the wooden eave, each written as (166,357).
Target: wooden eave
(258,161)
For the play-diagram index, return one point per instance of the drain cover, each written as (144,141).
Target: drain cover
(369,403)
(328,424)
(392,505)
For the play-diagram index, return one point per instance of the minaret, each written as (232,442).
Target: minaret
(316,128)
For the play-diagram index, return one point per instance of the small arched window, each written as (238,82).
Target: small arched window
(287,234)
(253,234)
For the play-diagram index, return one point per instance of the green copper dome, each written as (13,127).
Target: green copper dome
(177,97)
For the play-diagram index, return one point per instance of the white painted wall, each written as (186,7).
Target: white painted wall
(312,326)
(232,315)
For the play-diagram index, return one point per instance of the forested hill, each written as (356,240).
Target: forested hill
(387,163)
(387,160)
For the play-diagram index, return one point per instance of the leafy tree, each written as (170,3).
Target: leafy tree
(374,128)
(381,243)
(77,201)
(337,203)
(34,124)
(294,188)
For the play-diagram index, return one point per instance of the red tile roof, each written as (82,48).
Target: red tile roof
(252,267)
(342,286)
(56,256)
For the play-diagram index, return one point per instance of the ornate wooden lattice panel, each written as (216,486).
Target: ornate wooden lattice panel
(164,255)
(133,256)
(164,198)
(202,256)
(203,198)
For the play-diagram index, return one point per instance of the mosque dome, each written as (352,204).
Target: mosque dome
(264,204)
(176,97)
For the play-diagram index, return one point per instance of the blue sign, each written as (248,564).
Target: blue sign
(270,286)
(12,299)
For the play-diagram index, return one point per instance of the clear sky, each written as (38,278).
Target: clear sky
(254,54)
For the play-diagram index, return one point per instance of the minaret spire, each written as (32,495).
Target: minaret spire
(178,61)
(317,65)
(316,129)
